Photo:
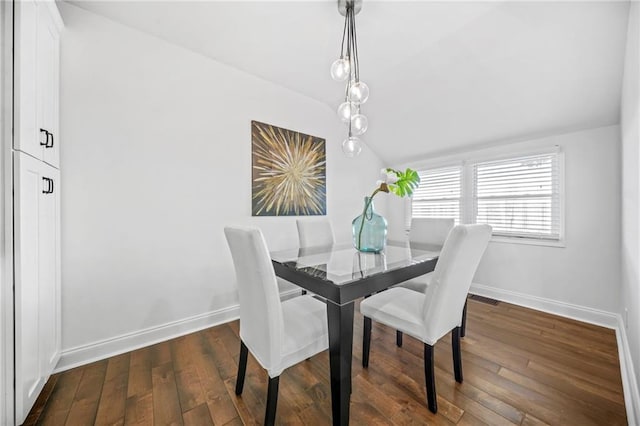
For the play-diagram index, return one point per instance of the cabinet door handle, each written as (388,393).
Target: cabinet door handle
(49,189)
(47,145)
(46,138)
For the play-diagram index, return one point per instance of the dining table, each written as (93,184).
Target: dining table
(340,274)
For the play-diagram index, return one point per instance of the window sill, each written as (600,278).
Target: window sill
(527,241)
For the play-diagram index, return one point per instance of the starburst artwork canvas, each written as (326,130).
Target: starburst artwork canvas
(288,172)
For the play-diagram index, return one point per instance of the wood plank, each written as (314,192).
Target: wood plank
(222,410)
(576,386)
(189,389)
(84,408)
(365,390)
(295,391)
(59,403)
(315,414)
(572,345)
(140,372)
(529,420)
(593,412)
(450,390)
(139,410)
(198,416)
(250,408)
(112,405)
(539,349)
(236,421)
(166,403)
(469,419)
(160,353)
(227,368)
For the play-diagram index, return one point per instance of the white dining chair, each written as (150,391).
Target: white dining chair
(314,233)
(428,231)
(431,232)
(429,316)
(278,334)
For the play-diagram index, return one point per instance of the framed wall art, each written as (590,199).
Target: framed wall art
(288,175)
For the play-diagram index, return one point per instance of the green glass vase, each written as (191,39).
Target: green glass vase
(369,229)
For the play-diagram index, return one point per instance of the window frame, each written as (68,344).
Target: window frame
(468,198)
(457,165)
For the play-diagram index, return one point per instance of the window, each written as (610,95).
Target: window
(438,194)
(520,197)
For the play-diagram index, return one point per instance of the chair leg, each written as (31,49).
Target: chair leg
(399,338)
(242,367)
(430,378)
(457,354)
(272,401)
(463,331)
(366,342)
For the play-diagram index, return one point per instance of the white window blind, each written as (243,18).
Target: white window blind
(438,195)
(519,197)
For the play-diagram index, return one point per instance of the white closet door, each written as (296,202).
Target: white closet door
(49,266)
(37,290)
(30,376)
(28,137)
(48,70)
(37,77)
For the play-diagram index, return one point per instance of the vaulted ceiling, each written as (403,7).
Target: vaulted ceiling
(443,75)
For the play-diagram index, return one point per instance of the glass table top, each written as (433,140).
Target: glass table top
(342,263)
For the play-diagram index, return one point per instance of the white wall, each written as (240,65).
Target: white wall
(156,160)
(6,217)
(586,272)
(630,133)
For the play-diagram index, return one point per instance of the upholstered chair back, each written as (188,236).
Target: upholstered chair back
(315,233)
(261,320)
(433,231)
(452,278)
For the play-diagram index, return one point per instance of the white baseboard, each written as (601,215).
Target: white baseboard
(585,314)
(568,310)
(103,349)
(629,382)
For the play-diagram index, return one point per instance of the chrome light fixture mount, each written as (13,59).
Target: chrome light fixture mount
(347,68)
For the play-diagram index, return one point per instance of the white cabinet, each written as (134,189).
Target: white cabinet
(37,274)
(36,189)
(37,38)
(48,69)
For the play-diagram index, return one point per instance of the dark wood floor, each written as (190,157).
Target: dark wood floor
(520,367)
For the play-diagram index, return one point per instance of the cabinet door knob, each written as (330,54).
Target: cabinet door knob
(49,182)
(47,145)
(46,137)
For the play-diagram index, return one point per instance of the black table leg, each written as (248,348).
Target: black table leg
(340,319)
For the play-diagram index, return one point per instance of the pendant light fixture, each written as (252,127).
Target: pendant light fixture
(347,68)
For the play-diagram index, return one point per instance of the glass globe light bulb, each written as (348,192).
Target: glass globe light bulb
(359,92)
(359,124)
(344,111)
(352,146)
(340,69)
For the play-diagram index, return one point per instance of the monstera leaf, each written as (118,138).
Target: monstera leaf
(405,184)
